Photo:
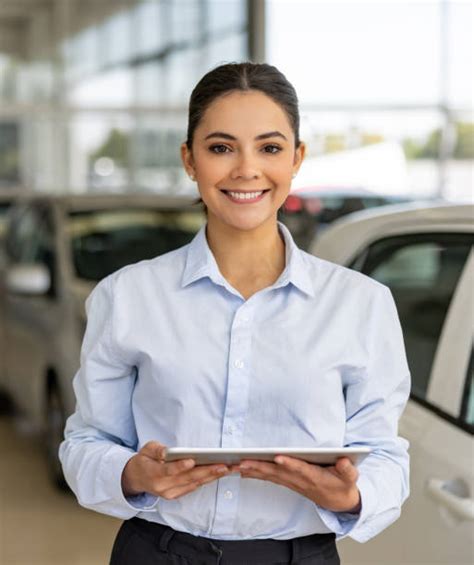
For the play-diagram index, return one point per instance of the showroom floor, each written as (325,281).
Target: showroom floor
(38,524)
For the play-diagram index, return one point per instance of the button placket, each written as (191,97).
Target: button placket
(235,411)
(238,381)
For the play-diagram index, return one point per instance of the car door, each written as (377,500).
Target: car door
(29,320)
(429,276)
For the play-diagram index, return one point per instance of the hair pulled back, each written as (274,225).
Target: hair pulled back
(243,77)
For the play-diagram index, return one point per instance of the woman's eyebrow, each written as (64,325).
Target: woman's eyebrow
(270,134)
(223,135)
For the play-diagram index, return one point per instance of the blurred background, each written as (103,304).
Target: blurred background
(93,108)
(93,93)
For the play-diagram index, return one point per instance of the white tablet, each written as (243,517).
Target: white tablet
(318,455)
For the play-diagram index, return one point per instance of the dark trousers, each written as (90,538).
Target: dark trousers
(146,543)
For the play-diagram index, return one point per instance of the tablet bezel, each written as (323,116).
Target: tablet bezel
(231,456)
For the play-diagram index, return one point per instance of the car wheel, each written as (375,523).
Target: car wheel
(54,432)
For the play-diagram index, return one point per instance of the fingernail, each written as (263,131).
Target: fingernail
(244,466)
(221,470)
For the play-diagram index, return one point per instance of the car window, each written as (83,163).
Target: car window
(467,409)
(104,241)
(3,215)
(422,271)
(40,248)
(31,238)
(19,234)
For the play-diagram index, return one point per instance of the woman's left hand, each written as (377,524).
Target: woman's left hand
(333,487)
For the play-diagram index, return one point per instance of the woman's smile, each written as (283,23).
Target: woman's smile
(245,196)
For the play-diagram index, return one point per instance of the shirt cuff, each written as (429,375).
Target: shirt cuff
(353,524)
(113,465)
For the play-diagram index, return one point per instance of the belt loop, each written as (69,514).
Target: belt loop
(294,552)
(165,539)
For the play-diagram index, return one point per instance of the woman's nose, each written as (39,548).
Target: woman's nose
(246,167)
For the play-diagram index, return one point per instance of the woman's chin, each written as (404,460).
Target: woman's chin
(244,222)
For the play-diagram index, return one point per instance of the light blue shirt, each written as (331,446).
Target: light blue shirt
(174,353)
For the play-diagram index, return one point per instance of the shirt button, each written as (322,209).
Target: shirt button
(228,494)
(245,318)
(238,363)
(230,430)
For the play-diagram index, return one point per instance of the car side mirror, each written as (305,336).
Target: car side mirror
(32,279)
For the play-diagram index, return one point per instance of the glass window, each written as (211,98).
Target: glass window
(458,26)
(468,412)
(228,48)
(422,271)
(360,52)
(31,239)
(100,146)
(178,84)
(386,152)
(9,153)
(116,38)
(82,53)
(103,241)
(230,15)
(151,89)
(152,29)
(460,169)
(185,20)
(20,233)
(113,88)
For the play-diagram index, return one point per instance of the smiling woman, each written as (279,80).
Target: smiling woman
(239,339)
(243,149)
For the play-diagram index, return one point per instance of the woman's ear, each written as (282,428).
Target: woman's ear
(187,159)
(300,153)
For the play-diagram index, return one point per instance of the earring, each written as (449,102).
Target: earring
(192,177)
(293,175)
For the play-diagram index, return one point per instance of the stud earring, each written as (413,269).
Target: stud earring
(192,177)
(293,175)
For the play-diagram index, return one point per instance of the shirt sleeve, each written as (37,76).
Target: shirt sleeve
(100,437)
(375,397)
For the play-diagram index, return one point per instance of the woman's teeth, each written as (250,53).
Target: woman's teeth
(245,195)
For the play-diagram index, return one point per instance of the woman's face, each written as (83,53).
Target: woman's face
(243,158)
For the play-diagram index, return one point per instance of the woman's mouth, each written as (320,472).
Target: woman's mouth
(245,197)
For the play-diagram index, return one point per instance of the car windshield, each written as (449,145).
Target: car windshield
(104,241)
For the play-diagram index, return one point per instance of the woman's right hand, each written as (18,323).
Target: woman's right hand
(147,472)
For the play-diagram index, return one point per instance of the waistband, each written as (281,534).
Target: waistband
(240,551)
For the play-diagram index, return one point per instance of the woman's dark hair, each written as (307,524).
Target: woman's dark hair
(243,77)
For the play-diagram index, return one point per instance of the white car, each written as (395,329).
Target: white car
(424,254)
(57,249)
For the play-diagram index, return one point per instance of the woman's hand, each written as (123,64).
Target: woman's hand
(333,488)
(147,472)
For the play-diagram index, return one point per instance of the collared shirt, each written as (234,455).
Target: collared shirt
(173,353)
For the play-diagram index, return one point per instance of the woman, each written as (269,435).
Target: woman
(239,339)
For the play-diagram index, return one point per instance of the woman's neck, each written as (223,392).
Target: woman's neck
(247,255)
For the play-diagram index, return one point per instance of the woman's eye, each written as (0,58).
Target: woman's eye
(218,148)
(272,149)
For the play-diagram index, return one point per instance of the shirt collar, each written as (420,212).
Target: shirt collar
(200,263)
